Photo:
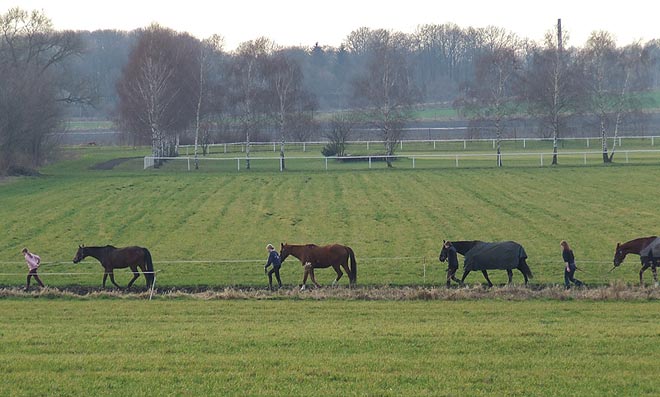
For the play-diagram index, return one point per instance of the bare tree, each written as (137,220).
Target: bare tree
(248,84)
(341,126)
(157,91)
(553,87)
(209,46)
(292,104)
(615,78)
(32,87)
(385,92)
(491,95)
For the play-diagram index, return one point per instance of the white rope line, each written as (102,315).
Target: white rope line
(73,274)
(360,259)
(175,261)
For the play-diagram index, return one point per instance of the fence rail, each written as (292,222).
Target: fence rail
(588,142)
(413,160)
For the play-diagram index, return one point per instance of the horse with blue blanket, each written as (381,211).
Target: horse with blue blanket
(480,255)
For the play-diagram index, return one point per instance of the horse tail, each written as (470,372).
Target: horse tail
(353,267)
(149,275)
(524,267)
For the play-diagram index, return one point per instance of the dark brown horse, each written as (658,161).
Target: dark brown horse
(648,249)
(314,257)
(118,258)
(480,255)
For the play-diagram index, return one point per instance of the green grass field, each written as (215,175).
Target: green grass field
(395,220)
(339,348)
(209,229)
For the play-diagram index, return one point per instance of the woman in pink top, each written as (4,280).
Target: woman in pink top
(33,262)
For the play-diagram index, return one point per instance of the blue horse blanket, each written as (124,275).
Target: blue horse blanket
(494,256)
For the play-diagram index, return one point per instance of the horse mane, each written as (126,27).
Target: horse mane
(311,245)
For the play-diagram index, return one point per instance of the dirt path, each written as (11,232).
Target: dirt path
(110,164)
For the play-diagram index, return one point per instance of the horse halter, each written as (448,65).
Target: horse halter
(80,255)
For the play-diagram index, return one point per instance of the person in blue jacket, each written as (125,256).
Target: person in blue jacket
(273,259)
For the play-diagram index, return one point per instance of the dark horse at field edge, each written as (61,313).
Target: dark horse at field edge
(118,258)
(518,262)
(312,257)
(644,247)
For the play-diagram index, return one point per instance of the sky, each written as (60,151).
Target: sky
(299,22)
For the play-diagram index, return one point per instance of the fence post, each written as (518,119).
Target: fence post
(541,159)
(464,144)
(587,142)
(304,148)
(225,148)
(433,145)
(326,163)
(369,162)
(585,159)
(367,145)
(524,143)
(457,161)
(238,164)
(626,156)
(401,144)
(652,143)
(413,159)
(188,163)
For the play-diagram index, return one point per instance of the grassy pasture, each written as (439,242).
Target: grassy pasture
(210,227)
(342,348)
(291,344)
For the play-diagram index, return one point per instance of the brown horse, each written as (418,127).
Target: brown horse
(648,249)
(118,258)
(314,257)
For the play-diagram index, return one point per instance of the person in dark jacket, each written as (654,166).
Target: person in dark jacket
(273,259)
(452,264)
(569,268)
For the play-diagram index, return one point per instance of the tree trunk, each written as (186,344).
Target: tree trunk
(603,139)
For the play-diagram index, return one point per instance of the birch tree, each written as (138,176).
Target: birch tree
(248,84)
(615,79)
(491,95)
(385,92)
(157,91)
(553,87)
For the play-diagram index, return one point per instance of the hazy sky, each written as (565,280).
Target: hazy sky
(298,22)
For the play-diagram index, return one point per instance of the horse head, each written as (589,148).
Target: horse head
(80,254)
(444,250)
(285,251)
(619,255)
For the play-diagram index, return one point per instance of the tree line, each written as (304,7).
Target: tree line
(161,86)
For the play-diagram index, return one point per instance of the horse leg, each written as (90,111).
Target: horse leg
(348,271)
(485,273)
(641,272)
(465,273)
(524,275)
(655,274)
(509,273)
(112,278)
(339,274)
(135,276)
(105,277)
(307,266)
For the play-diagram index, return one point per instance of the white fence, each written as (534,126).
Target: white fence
(411,160)
(587,142)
